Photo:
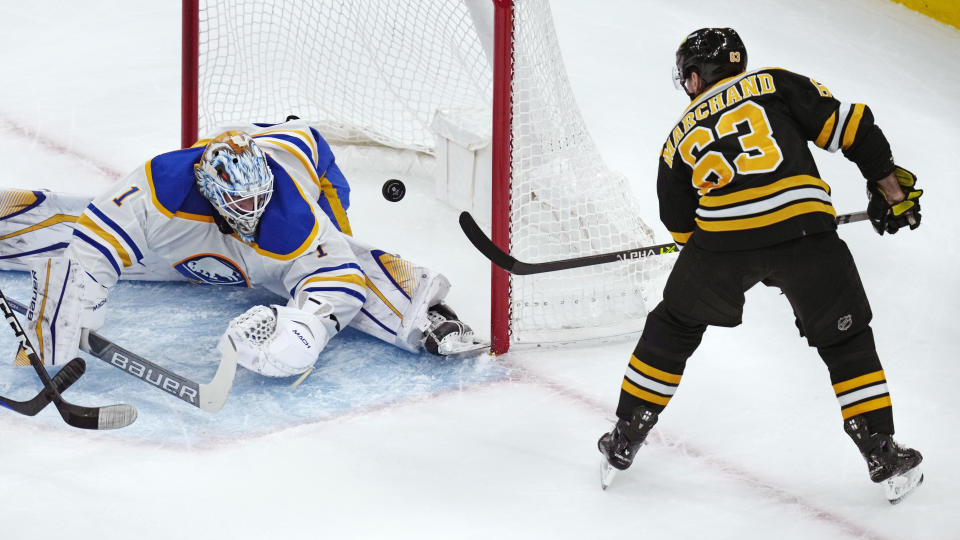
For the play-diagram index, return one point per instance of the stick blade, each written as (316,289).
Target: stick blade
(116,416)
(214,394)
(105,417)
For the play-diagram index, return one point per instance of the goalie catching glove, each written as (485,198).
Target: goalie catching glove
(277,341)
(887,217)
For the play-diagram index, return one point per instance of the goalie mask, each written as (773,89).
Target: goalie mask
(234,176)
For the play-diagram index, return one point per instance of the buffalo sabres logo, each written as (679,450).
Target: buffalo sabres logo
(212,269)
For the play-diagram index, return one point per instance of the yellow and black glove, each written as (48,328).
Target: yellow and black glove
(887,217)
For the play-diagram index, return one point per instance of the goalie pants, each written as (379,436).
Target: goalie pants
(818,276)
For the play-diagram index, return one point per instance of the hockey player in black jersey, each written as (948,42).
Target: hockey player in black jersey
(739,188)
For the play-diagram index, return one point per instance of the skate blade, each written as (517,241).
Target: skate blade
(455,348)
(900,486)
(607,473)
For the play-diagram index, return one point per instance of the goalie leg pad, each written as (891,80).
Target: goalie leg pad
(276,341)
(65,301)
(399,294)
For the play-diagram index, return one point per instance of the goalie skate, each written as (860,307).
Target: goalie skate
(448,335)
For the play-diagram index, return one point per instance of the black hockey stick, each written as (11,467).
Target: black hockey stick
(209,397)
(504,260)
(106,417)
(67,375)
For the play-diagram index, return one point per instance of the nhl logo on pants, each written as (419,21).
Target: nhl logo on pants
(844,323)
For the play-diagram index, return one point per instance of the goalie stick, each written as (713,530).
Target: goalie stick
(106,417)
(504,260)
(209,397)
(67,375)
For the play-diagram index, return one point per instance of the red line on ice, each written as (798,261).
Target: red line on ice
(19,130)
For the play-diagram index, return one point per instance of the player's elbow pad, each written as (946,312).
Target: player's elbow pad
(277,341)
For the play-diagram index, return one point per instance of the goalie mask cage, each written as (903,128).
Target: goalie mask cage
(381,71)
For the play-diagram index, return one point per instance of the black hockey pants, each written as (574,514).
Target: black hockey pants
(818,276)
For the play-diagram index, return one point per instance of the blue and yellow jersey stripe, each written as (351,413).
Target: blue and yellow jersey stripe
(333,195)
(347,278)
(96,229)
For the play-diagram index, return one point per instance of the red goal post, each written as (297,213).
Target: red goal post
(387,72)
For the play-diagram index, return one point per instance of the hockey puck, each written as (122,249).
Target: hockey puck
(393,190)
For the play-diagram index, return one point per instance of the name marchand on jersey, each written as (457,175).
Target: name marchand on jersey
(753,178)
(714,101)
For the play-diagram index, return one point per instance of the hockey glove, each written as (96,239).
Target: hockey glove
(887,217)
(276,341)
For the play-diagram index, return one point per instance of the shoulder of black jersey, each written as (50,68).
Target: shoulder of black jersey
(173,184)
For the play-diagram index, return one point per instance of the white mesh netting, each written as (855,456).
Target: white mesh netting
(566,203)
(380,70)
(371,70)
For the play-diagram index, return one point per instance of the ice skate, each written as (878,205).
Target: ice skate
(894,466)
(448,335)
(620,446)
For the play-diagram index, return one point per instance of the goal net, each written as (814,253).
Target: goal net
(386,72)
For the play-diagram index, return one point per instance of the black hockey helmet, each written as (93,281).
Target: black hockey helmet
(714,53)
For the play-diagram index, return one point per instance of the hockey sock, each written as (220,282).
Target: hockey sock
(859,382)
(658,361)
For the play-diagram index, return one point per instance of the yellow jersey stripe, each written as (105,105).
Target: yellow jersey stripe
(330,193)
(824,138)
(867,406)
(303,247)
(857,382)
(323,185)
(653,372)
(636,391)
(109,238)
(767,219)
(850,132)
(710,201)
(307,139)
(681,238)
(345,278)
(163,210)
(59,218)
(383,298)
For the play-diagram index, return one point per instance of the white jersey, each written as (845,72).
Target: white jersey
(157,211)
(155,224)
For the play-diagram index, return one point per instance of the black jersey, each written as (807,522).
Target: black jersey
(736,172)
